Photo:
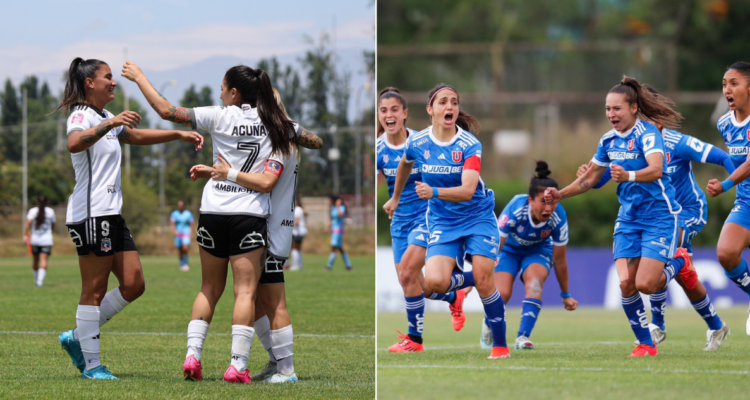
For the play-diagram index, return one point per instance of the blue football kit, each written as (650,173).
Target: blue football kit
(182,221)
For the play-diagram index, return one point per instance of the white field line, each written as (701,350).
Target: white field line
(556,369)
(179,334)
(476,346)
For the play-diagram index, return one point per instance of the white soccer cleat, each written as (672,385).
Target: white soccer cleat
(523,343)
(281,378)
(714,338)
(184,268)
(657,335)
(294,268)
(485,339)
(40,284)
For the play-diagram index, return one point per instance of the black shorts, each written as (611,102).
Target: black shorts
(35,250)
(297,239)
(104,236)
(224,236)
(272,271)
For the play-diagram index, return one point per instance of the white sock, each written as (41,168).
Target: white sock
(263,330)
(242,341)
(197,331)
(300,259)
(112,303)
(282,343)
(87,320)
(295,258)
(40,274)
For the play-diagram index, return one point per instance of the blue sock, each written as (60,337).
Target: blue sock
(184,260)
(529,315)
(740,275)
(673,268)
(447,297)
(706,310)
(494,309)
(460,280)
(415,314)
(347,262)
(658,308)
(636,313)
(331,259)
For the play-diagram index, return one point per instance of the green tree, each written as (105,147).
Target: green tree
(286,81)
(318,64)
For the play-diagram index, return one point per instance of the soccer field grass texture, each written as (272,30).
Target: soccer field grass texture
(578,355)
(332,314)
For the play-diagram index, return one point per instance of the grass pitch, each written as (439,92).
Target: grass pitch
(145,345)
(578,355)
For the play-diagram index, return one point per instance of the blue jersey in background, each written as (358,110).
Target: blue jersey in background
(525,237)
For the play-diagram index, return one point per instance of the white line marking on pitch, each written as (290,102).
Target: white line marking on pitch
(179,334)
(475,346)
(555,369)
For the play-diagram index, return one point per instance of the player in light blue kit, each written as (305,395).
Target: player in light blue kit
(646,228)
(182,225)
(408,229)
(460,213)
(533,239)
(681,151)
(336,227)
(734,127)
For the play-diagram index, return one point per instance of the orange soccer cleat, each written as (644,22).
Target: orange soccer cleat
(457,309)
(644,350)
(406,345)
(687,274)
(499,352)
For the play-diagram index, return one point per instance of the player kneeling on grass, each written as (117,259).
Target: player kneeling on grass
(103,241)
(534,237)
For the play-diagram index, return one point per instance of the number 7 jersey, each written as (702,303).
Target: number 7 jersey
(239,136)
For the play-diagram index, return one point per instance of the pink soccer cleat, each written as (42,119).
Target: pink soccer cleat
(234,376)
(192,369)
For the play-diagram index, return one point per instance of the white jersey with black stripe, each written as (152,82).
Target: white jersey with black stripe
(97,169)
(281,220)
(239,136)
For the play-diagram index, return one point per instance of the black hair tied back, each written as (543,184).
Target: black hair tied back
(541,180)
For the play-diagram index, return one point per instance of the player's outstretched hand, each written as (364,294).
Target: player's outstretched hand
(128,118)
(424,191)
(570,303)
(583,169)
(714,188)
(390,207)
(221,169)
(619,174)
(551,195)
(131,72)
(200,171)
(193,138)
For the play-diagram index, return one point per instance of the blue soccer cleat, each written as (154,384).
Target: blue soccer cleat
(73,348)
(101,372)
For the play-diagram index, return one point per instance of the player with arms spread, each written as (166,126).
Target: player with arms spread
(460,213)
(102,238)
(645,234)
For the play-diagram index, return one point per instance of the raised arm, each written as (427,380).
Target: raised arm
(160,104)
(81,139)
(155,136)
(309,140)
(579,186)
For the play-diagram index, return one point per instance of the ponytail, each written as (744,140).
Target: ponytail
(465,120)
(651,106)
(392,93)
(254,87)
(41,203)
(75,85)
(540,181)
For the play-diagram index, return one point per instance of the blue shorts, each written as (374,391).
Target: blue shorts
(181,241)
(655,237)
(418,237)
(515,263)
(337,240)
(740,214)
(480,237)
(691,224)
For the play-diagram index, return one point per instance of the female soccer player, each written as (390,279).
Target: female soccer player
(40,221)
(233,219)
(336,226)
(298,235)
(408,232)
(102,238)
(533,238)
(460,215)
(682,150)
(734,127)
(646,227)
(272,323)
(182,225)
